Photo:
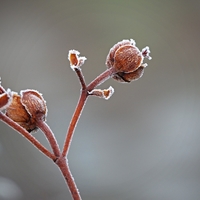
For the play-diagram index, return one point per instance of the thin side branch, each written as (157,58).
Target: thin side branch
(81,78)
(50,137)
(100,79)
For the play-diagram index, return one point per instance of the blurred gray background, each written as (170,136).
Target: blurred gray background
(143,143)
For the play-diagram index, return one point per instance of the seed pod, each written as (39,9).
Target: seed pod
(26,109)
(34,103)
(127,60)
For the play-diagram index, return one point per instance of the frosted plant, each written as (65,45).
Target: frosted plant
(26,112)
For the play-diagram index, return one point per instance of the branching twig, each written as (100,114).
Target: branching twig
(27,112)
(27,135)
(50,136)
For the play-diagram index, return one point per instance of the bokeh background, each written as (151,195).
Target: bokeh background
(143,143)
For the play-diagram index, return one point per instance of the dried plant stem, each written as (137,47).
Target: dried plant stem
(81,103)
(27,135)
(75,118)
(81,78)
(57,158)
(64,168)
(100,79)
(50,136)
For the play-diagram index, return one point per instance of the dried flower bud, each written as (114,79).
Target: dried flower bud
(34,103)
(27,109)
(75,61)
(5,99)
(106,93)
(126,59)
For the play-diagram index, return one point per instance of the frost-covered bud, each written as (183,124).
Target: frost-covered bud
(34,103)
(75,61)
(126,59)
(27,108)
(106,93)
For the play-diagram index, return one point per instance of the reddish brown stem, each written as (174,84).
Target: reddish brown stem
(50,137)
(82,100)
(64,168)
(75,118)
(27,135)
(100,79)
(81,78)
(61,162)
